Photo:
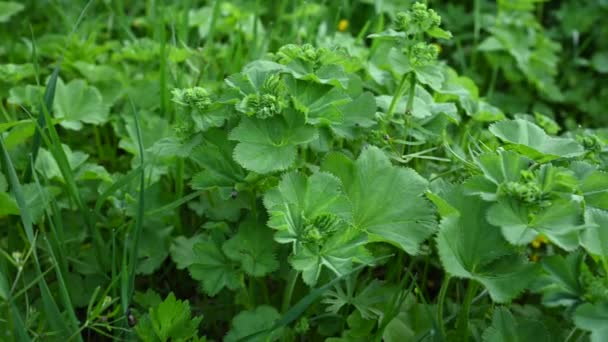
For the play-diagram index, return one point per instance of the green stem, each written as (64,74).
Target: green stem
(410,99)
(251,293)
(442,293)
(463,320)
(291,284)
(476,30)
(264,287)
(179,189)
(396,97)
(100,148)
(492,82)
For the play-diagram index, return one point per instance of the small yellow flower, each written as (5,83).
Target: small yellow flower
(534,257)
(343,25)
(438,47)
(539,241)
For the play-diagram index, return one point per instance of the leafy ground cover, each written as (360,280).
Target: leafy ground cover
(303,170)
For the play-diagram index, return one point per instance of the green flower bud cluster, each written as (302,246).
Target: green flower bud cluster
(269,102)
(590,142)
(302,326)
(320,228)
(196,98)
(548,124)
(418,19)
(311,55)
(199,100)
(596,288)
(262,106)
(421,54)
(528,192)
(306,52)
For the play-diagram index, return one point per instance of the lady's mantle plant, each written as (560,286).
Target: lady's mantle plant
(300,159)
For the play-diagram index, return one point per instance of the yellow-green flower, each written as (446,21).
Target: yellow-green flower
(539,241)
(343,25)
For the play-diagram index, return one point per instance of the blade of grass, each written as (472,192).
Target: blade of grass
(174,204)
(50,307)
(121,182)
(57,254)
(397,300)
(128,281)
(164,100)
(49,93)
(18,326)
(56,148)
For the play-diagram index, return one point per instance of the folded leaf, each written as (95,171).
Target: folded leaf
(531,141)
(387,200)
(267,145)
(470,247)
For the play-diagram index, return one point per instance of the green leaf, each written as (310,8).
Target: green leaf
(412,320)
(249,322)
(28,96)
(96,73)
(593,317)
(254,248)
(338,253)
(469,247)
(215,156)
(507,328)
(213,268)
(77,103)
(182,250)
(13,73)
(169,320)
(271,144)
(358,113)
(599,62)
(47,165)
(502,167)
(315,216)
(365,299)
(437,32)
(594,187)
(560,283)
(387,200)
(318,102)
(560,222)
(9,9)
(531,141)
(8,205)
(153,248)
(595,237)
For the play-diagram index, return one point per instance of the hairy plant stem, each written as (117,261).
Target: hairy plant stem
(463,319)
(291,284)
(442,292)
(410,98)
(476,30)
(396,97)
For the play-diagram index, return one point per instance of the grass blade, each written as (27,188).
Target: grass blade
(50,307)
(174,204)
(123,181)
(129,265)
(45,106)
